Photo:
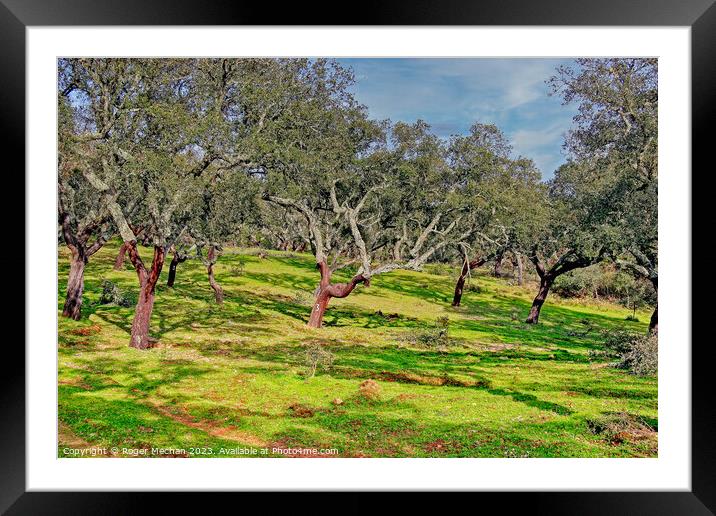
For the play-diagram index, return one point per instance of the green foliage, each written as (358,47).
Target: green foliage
(606,281)
(638,353)
(112,294)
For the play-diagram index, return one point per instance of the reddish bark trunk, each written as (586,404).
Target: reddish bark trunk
(75,287)
(460,285)
(654,322)
(119,262)
(326,291)
(319,308)
(544,286)
(147,282)
(218,292)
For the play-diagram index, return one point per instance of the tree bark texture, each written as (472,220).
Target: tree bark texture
(218,292)
(326,291)
(544,286)
(460,284)
(119,261)
(75,286)
(145,304)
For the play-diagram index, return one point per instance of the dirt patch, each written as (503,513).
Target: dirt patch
(441,446)
(302,411)
(86,331)
(225,432)
(75,382)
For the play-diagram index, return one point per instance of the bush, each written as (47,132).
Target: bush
(317,357)
(643,357)
(607,281)
(239,268)
(618,427)
(113,295)
(437,337)
(637,353)
(301,297)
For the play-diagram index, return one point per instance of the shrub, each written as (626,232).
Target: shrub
(317,357)
(473,287)
(643,357)
(301,297)
(637,353)
(437,337)
(239,268)
(606,281)
(113,295)
(618,427)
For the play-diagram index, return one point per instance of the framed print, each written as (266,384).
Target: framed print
(422,246)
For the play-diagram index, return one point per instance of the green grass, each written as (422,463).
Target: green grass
(234,376)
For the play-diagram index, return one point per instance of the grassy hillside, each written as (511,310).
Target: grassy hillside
(236,376)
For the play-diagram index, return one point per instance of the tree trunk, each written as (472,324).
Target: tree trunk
(218,292)
(119,262)
(326,291)
(147,283)
(520,269)
(654,322)
(498,265)
(544,286)
(172,271)
(75,286)
(460,285)
(142,316)
(319,308)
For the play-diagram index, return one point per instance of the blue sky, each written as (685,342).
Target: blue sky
(452,94)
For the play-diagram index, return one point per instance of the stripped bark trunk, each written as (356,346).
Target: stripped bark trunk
(77,241)
(544,285)
(460,284)
(326,291)
(147,282)
(119,261)
(75,286)
(218,292)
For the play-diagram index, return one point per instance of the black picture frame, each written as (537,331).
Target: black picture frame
(17,15)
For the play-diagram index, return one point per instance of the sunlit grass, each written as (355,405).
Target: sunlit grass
(224,376)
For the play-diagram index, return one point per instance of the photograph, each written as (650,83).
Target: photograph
(357,257)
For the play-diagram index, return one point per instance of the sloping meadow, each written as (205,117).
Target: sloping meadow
(394,372)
